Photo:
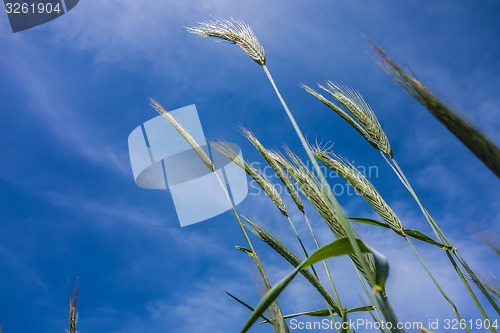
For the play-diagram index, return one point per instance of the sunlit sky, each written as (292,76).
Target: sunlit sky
(73,89)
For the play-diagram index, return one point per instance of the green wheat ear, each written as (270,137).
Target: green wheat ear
(276,168)
(73,313)
(233,31)
(359,114)
(256,175)
(184,133)
(464,130)
(362,185)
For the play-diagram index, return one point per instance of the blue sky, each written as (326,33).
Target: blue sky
(73,89)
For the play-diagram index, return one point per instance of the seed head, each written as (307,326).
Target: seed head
(233,31)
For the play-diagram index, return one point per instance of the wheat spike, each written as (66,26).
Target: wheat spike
(311,187)
(363,118)
(275,166)
(184,133)
(362,185)
(463,129)
(233,31)
(256,175)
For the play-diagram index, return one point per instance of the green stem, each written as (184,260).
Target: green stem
(370,298)
(339,306)
(387,310)
(442,237)
(464,281)
(436,283)
(331,198)
(281,324)
(342,219)
(324,263)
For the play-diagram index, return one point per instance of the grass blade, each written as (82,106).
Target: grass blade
(248,306)
(337,248)
(326,313)
(423,237)
(409,232)
(369,221)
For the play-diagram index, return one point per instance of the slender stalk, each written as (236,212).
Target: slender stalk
(376,316)
(282,324)
(442,237)
(324,262)
(464,281)
(379,318)
(339,305)
(316,274)
(388,311)
(301,244)
(330,196)
(437,284)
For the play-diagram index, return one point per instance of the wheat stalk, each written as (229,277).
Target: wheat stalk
(466,132)
(314,192)
(279,325)
(243,36)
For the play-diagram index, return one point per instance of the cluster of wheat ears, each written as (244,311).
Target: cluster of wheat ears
(371,266)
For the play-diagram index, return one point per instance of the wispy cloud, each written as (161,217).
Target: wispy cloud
(44,88)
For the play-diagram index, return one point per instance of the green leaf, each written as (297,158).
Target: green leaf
(245,250)
(325,312)
(381,270)
(317,313)
(369,221)
(340,247)
(247,306)
(420,236)
(362,309)
(412,233)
